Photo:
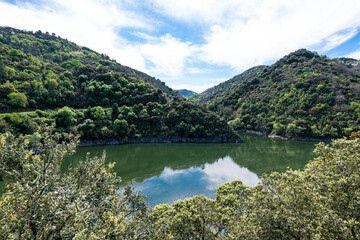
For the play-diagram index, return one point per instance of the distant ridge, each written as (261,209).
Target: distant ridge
(220,90)
(185,93)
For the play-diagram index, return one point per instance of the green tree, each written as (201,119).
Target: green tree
(84,203)
(120,127)
(98,113)
(114,111)
(65,118)
(17,99)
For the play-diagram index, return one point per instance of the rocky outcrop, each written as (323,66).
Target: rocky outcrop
(303,139)
(291,138)
(87,143)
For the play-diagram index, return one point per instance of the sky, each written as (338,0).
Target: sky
(194,44)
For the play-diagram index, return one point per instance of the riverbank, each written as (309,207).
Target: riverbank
(99,142)
(288,138)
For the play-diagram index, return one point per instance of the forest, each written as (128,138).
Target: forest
(302,94)
(86,93)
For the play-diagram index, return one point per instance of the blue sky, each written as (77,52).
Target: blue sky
(195,44)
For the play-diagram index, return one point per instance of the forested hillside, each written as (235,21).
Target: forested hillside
(217,92)
(302,94)
(186,93)
(45,72)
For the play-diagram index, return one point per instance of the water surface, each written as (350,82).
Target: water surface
(168,172)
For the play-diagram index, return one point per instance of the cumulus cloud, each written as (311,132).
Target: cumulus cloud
(168,56)
(278,27)
(233,34)
(89,23)
(226,170)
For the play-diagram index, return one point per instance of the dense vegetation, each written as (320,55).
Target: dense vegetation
(186,93)
(218,92)
(42,71)
(320,202)
(302,94)
(176,118)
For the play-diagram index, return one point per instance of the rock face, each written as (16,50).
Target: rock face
(87,143)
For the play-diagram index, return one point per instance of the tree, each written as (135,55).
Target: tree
(17,99)
(98,113)
(114,111)
(120,127)
(65,118)
(84,203)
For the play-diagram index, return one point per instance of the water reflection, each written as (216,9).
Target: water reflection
(167,172)
(172,185)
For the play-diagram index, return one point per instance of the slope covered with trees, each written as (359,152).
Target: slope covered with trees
(302,94)
(186,93)
(42,71)
(217,92)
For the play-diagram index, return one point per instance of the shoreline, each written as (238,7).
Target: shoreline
(286,138)
(114,141)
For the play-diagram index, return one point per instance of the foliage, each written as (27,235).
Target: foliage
(320,202)
(42,71)
(217,92)
(55,63)
(186,93)
(84,203)
(296,96)
(175,118)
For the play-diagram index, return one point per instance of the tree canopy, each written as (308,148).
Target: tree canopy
(320,202)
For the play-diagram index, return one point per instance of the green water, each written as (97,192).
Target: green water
(167,172)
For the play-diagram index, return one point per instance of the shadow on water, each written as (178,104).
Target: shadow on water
(167,172)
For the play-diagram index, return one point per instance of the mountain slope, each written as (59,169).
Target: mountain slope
(220,90)
(186,93)
(63,53)
(302,94)
(42,71)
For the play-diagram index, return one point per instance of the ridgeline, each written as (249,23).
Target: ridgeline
(302,95)
(90,94)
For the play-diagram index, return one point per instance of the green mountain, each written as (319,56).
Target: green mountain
(53,72)
(186,93)
(303,94)
(42,71)
(218,91)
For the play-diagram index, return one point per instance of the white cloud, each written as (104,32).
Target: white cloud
(198,86)
(335,40)
(94,24)
(168,55)
(206,12)
(226,170)
(355,54)
(88,23)
(236,34)
(277,28)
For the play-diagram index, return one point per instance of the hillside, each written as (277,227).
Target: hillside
(40,62)
(302,94)
(45,72)
(186,93)
(218,91)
